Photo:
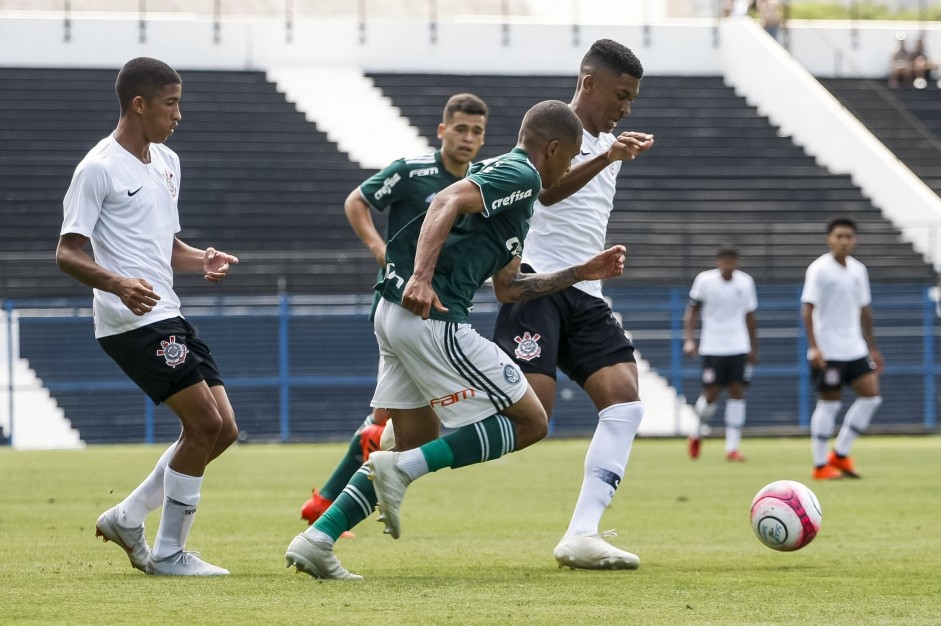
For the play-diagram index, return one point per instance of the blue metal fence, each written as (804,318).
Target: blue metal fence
(303,368)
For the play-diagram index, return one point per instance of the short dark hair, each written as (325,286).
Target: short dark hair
(726,252)
(841,221)
(612,56)
(144,77)
(463,103)
(550,120)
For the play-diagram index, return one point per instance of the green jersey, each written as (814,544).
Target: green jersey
(405,189)
(479,244)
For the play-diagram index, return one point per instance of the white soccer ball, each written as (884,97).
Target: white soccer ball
(786,515)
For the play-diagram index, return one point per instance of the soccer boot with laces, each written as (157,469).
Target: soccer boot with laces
(316,559)
(591,551)
(183,564)
(132,540)
(369,439)
(843,463)
(390,483)
(826,472)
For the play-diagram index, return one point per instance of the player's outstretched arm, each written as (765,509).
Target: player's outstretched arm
(628,146)
(510,285)
(460,197)
(136,294)
(214,264)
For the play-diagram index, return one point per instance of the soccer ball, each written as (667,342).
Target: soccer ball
(786,515)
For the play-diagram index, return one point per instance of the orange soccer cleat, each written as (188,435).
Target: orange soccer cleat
(843,463)
(369,439)
(693,444)
(315,507)
(735,456)
(826,472)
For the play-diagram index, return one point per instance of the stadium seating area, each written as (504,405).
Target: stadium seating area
(718,173)
(258,181)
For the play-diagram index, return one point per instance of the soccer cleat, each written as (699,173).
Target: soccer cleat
(131,539)
(693,443)
(315,507)
(735,456)
(826,472)
(183,564)
(390,483)
(843,463)
(316,558)
(591,551)
(369,439)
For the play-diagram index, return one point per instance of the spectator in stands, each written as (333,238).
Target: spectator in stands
(770,15)
(433,364)
(837,316)
(575,330)
(922,66)
(404,190)
(900,63)
(123,198)
(726,299)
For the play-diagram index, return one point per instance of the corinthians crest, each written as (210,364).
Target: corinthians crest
(527,346)
(173,353)
(168,175)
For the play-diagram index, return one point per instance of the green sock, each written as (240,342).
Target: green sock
(482,441)
(351,461)
(354,504)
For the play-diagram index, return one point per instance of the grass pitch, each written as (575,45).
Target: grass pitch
(477,542)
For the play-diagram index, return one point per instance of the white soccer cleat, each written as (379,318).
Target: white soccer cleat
(591,551)
(390,483)
(316,559)
(132,540)
(183,564)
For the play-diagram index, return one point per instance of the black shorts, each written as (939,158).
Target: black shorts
(839,373)
(725,370)
(163,358)
(569,330)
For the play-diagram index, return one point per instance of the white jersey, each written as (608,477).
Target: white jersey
(838,294)
(723,305)
(573,230)
(129,211)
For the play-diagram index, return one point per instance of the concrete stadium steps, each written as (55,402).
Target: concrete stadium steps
(719,173)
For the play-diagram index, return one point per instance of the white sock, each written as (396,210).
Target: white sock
(179,511)
(734,420)
(605,463)
(148,496)
(821,428)
(855,422)
(413,463)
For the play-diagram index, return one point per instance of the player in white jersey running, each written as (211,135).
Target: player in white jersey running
(575,330)
(725,298)
(841,349)
(123,198)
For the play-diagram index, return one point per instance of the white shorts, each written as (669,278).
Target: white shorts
(446,365)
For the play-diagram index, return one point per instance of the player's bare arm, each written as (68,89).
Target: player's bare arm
(511,285)
(359,215)
(813,352)
(629,145)
(214,264)
(135,293)
(690,319)
(461,197)
(751,323)
(869,334)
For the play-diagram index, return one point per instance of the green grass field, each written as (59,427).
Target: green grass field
(477,542)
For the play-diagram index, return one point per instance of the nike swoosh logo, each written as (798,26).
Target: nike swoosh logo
(585,153)
(131,193)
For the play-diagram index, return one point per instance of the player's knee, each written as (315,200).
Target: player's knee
(205,427)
